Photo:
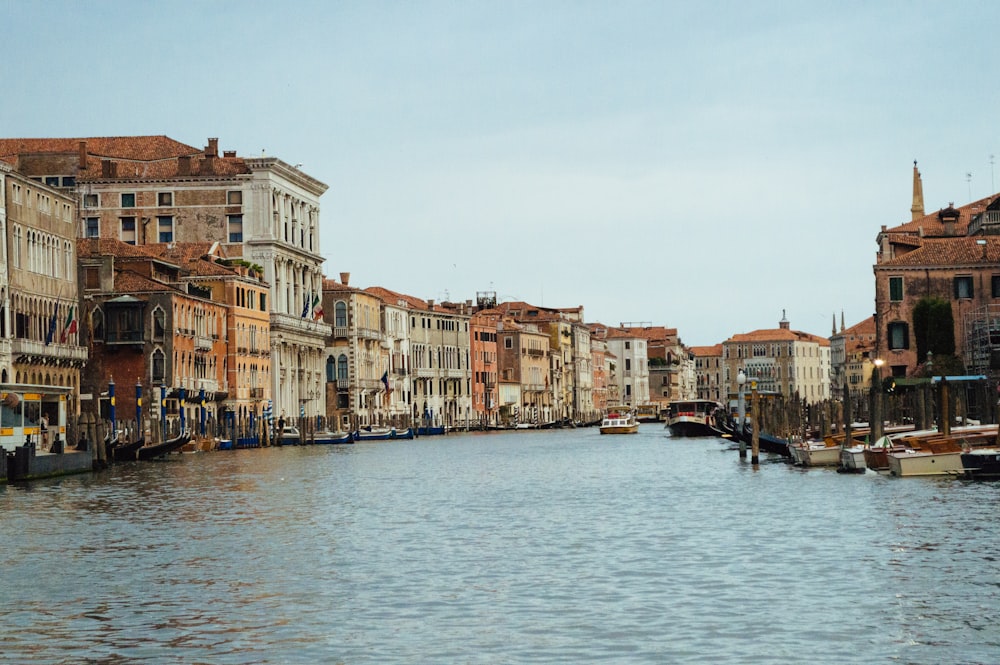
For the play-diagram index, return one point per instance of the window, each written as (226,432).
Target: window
(899,335)
(165,228)
(508,342)
(995,286)
(159,324)
(127,234)
(963,287)
(97,324)
(92,227)
(92,278)
(165,199)
(263,302)
(340,314)
(342,368)
(158,366)
(69,181)
(52,180)
(235,227)
(128,200)
(234,198)
(91,201)
(895,289)
(331,369)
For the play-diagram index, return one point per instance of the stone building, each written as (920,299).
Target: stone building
(708,372)
(780,360)
(152,189)
(39,307)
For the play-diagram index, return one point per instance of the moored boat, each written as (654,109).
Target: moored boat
(160,449)
(326,437)
(981,464)
(288,436)
(619,421)
(693,418)
(126,452)
(385,434)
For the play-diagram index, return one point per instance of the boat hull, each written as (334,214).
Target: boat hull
(982,464)
(690,426)
(160,449)
(620,429)
(333,439)
(909,463)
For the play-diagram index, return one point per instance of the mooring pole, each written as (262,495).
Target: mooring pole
(741,401)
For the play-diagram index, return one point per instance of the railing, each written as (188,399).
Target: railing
(256,393)
(202,343)
(369,333)
(341,331)
(19,346)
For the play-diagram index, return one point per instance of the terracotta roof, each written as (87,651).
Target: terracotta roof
(393,297)
(866,327)
(127,281)
(706,351)
(930,225)
(949,252)
(91,247)
(135,157)
(778,335)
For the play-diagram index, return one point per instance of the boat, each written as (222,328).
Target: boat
(383,434)
(326,437)
(648,413)
(288,436)
(430,430)
(619,422)
(981,464)
(125,452)
(160,449)
(693,418)
(937,454)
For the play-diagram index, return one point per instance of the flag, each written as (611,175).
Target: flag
(385,382)
(317,308)
(305,307)
(52,330)
(70,326)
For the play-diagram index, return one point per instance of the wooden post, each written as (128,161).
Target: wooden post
(755,411)
(945,425)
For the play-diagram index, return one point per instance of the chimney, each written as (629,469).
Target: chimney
(108,169)
(207,165)
(228,154)
(430,304)
(948,217)
(184,165)
(783,324)
(82,161)
(212,149)
(345,277)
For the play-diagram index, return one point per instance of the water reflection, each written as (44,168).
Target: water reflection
(528,547)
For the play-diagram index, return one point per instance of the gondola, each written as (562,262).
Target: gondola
(125,452)
(159,449)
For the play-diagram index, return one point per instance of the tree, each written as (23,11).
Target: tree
(933,327)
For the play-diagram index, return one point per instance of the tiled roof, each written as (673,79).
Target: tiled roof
(706,351)
(778,335)
(91,247)
(127,281)
(949,252)
(866,327)
(392,297)
(135,157)
(930,225)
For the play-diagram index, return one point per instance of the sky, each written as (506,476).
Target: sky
(705,166)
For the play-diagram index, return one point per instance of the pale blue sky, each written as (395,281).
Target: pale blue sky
(701,165)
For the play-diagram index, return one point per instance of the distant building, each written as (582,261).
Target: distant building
(708,372)
(851,355)
(780,360)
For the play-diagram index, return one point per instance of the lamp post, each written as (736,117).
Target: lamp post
(741,381)
(876,401)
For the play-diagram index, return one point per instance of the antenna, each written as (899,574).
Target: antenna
(968,179)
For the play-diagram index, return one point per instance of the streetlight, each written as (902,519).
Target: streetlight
(876,406)
(741,380)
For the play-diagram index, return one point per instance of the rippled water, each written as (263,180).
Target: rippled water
(530,547)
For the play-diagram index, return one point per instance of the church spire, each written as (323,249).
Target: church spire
(917,209)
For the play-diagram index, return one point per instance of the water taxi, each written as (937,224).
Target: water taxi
(694,417)
(619,421)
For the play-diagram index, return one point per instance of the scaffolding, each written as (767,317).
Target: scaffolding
(982,340)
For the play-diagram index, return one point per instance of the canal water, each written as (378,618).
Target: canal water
(530,547)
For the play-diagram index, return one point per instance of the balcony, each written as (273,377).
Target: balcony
(202,343)
(341,332)
(256,393)
(538,353)
(19,348)
(400,371)
(369,333)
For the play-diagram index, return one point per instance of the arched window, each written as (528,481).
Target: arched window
(342,368)
(97,324)
(340,314)
(331,369)
(159,323)
(158,365)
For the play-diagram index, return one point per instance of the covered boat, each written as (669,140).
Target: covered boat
(619,421)
(694,418)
